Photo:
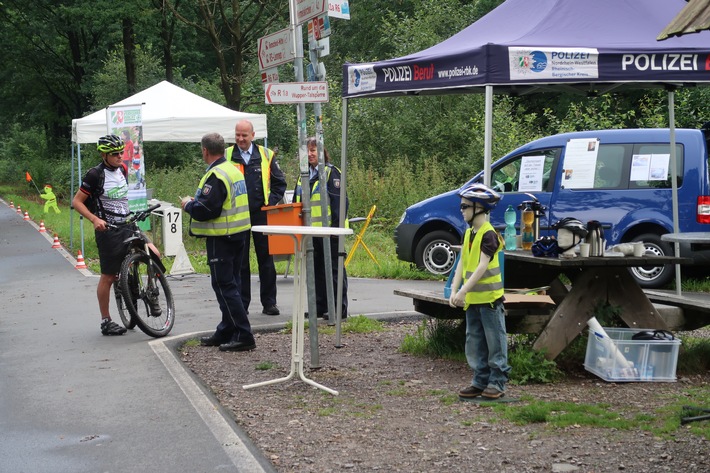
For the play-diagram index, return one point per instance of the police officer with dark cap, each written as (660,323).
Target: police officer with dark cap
(219,212)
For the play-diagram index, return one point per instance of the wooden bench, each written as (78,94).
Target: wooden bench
(524,313)
(527,313)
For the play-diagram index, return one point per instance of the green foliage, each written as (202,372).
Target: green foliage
(608,315)
(530,366)
(694,356)
(564,414)
(356,324)
(265,366)
(438,338)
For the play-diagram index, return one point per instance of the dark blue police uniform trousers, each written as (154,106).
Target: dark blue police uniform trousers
(267,270)
(319,268)
(224,256)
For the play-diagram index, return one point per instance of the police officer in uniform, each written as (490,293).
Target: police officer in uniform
(332,219)
(266,185)
(219,212)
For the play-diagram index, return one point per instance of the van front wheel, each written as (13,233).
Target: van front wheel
(434,252)
(653,277)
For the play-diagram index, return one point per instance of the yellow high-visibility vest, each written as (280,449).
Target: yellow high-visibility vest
(490,287)
(266,157)
(234,217)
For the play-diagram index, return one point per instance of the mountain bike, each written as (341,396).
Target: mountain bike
(142,292)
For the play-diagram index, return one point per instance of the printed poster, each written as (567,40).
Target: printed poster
(531,172)
(580,163)
(127,122)
(649,167)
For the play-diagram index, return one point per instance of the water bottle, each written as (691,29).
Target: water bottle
(527,230)
(510,237)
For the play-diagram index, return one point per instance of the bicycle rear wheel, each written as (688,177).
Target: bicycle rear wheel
(126,318)
(151,305)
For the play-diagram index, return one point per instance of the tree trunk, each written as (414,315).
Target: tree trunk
(129,55)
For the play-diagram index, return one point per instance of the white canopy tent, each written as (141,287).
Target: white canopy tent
(171,113)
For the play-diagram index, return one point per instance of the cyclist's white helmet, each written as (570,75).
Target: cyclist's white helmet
(480,194)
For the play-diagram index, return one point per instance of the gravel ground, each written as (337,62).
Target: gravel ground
(400,413)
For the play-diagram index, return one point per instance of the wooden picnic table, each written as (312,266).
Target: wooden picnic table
(591,279)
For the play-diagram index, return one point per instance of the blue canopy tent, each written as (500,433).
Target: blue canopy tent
(524,47)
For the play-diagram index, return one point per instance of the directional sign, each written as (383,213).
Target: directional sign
(275,49)
(339,9)
(270,75)
(296,92)
(309,9)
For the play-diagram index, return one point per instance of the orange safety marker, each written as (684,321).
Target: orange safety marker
(26,217)
(42,229)
(12,204)
(56,243)
(19,211)
(80,264)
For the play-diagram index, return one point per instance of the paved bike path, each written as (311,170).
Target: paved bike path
(72,400)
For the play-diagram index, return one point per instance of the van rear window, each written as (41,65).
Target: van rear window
(650,166)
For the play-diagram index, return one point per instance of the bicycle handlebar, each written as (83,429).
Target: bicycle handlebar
(138,217)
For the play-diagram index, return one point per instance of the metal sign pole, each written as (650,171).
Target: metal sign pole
(305,189)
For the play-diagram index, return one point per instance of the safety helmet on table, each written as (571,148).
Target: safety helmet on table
(480,194)
(546,246)
(573,225)
(110,144)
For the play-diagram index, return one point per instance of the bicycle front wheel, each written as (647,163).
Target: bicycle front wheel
(128,321)
(147,295)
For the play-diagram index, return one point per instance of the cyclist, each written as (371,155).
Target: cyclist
(103,199)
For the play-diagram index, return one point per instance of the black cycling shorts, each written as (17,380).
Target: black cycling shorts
(112,248)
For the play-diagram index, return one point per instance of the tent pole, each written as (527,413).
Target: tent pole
(674,185)
(71,193)
(488,136)
(343,202)
(81,218)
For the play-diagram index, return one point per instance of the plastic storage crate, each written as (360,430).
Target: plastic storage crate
(618,358)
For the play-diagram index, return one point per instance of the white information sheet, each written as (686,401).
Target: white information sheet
(580,163)
(531,170)
(649,167)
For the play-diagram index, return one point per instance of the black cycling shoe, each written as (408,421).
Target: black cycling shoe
(109,327)
(155,309)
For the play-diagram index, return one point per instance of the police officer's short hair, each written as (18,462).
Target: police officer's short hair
(213,143)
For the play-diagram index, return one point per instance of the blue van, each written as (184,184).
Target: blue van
(621,178)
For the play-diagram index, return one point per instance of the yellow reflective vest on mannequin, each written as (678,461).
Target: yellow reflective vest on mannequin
(234,217)
(266,159)
(490,287)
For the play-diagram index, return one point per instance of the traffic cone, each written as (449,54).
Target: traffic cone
(19,211)
(12,204)
(26,217)
(56,243)
(80,262)
(41,227)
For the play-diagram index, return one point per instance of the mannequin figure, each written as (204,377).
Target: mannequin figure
(481,296)
(570,232)
(566,239)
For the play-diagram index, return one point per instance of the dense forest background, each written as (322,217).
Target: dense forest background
(63,60)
